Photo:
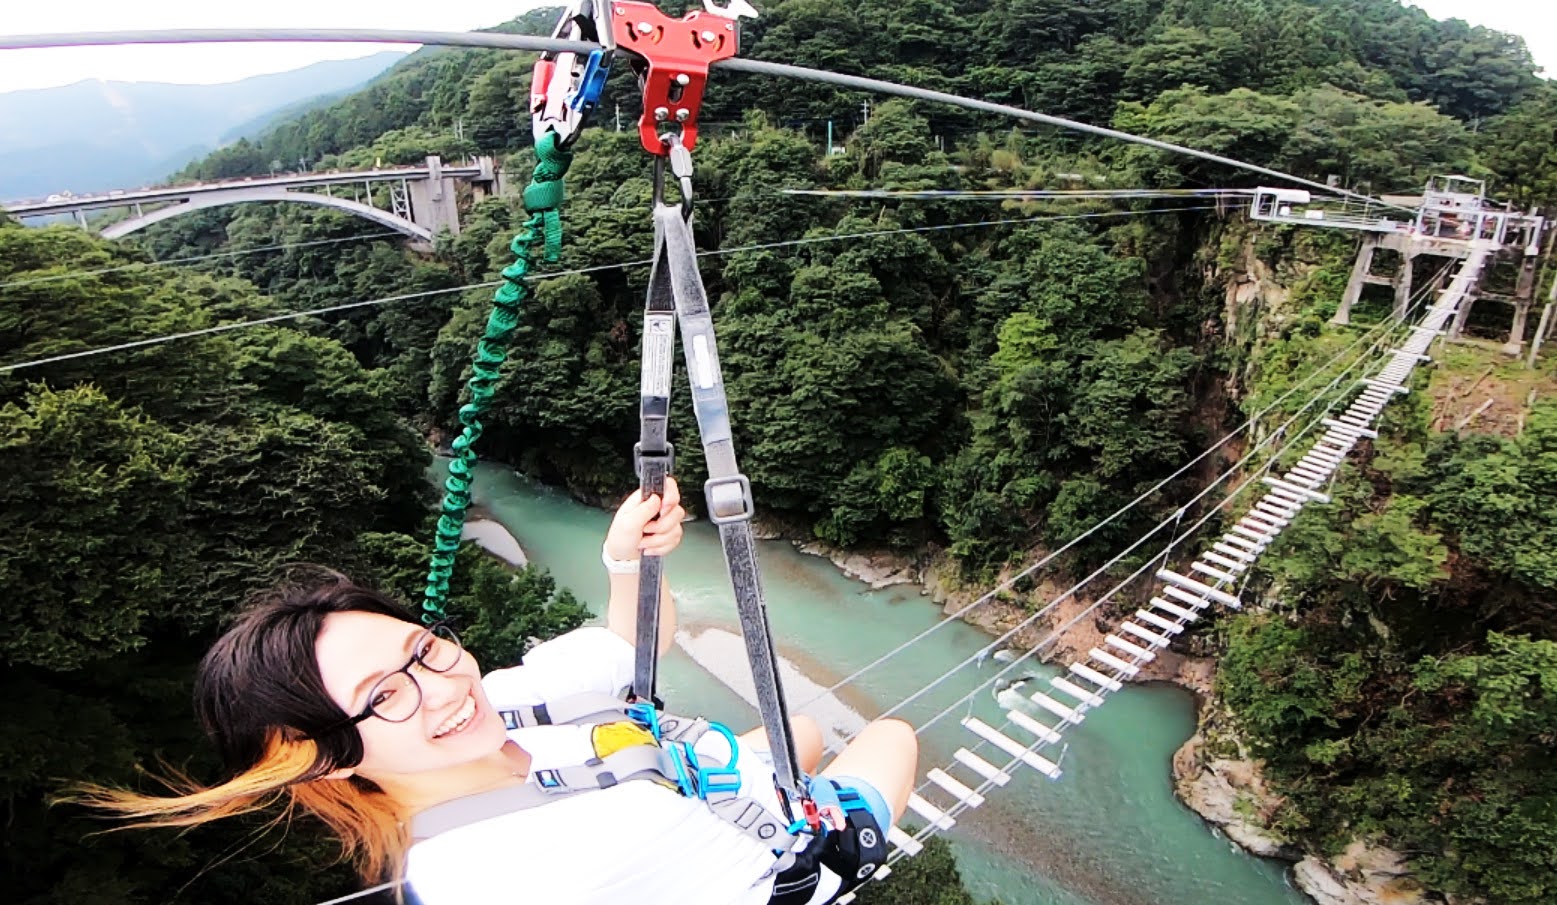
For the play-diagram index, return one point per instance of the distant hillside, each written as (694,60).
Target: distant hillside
(96,135)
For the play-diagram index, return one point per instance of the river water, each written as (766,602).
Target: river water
(1109,832)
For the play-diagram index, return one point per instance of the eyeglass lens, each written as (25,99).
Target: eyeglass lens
(397,696)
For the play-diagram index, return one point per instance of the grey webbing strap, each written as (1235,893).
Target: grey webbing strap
(635,763)
(590,707)
(653,457)
(728,491)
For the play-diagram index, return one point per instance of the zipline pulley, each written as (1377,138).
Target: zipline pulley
(671,57)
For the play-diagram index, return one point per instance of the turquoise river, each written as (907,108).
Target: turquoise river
(1109,832)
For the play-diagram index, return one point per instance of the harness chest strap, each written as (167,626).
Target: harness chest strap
(640,762)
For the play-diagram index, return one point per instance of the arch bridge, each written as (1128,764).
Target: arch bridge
(422,199)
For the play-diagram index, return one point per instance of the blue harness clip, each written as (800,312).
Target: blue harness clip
(591,84)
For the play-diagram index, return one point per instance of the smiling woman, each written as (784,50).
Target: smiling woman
(333,698)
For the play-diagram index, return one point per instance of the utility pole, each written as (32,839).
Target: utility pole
(829,138)
(618,117)
(865,110)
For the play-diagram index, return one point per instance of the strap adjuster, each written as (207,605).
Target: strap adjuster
(729,499)
(639,457)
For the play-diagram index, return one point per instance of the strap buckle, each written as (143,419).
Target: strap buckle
(565,88)
(640,457)
(729,499)
(672,62)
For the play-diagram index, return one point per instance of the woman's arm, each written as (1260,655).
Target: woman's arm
(643,527)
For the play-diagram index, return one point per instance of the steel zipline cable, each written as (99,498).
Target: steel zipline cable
(411,296)
(541,44)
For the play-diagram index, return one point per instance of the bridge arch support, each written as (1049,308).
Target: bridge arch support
(241,196)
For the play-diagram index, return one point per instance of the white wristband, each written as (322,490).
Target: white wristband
(618,566)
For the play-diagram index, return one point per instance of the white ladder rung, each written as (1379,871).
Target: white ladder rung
(1256,537)
(1225,562)
(1090,698)
(1279,484)
(1134,650)
(952,785)
(1172,628)
(1011,746)
(1218,574)
(1269,518)
(1244,542)
(1234,552)
(1264,529)
(1294,495)
(1095,677)
(1069,714)
(1046,733)
(1195,602)
(902,840)
(1148,636)
(1196,587)
(1387,385)
(1175,609)
(934,815)
(981,766)
(1352,430)
(1112,662)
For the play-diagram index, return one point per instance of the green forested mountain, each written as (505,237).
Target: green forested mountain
(984,391)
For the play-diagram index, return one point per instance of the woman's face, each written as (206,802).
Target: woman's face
(455,723)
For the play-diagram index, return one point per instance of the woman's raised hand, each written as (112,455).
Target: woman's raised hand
(646,526)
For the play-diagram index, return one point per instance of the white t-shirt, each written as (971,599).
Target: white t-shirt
(636,842)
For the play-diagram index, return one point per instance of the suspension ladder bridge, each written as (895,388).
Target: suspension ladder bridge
(1032,735)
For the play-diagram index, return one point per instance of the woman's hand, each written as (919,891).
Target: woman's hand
(646,526)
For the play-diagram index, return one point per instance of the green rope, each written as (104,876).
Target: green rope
(542,197)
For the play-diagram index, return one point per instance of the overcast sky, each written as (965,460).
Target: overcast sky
(1534,20)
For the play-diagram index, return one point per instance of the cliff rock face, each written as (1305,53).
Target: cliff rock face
(1215,778)
(1229,793)
(1361,875)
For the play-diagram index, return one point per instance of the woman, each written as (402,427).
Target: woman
(336,700)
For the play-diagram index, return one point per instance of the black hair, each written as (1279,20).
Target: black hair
(263,675)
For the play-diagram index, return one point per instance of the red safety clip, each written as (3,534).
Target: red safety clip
(675,56)
(812,815)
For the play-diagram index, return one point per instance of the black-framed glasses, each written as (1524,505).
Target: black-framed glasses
(396,697)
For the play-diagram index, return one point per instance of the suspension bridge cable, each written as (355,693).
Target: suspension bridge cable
(1232,470)
(737,64)
(960,806)
(1011,582)
(286,246)
(1019,194)
(277,318)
